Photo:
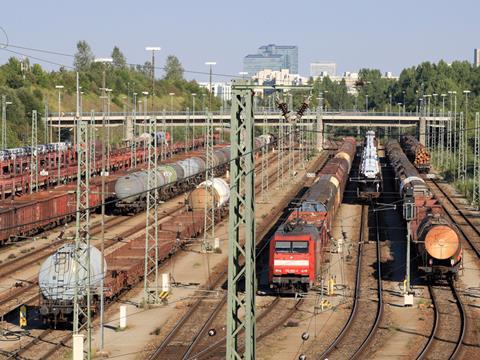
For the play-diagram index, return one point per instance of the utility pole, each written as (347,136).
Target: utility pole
(193,115)
(171,123)
(59,153)
(476,166)
(34,155)
(150,287)
(210,90)
(133,159)
(241,304)
(153,49)
(264,172)
(461,151)
(81,297)
(209,219)
(5,103)
(45,116)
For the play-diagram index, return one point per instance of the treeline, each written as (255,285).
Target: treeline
(29,87)
(413,83)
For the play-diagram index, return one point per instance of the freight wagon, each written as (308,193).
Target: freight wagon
(123,265)
(297,250)
(434,237)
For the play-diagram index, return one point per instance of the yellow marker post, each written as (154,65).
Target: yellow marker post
(23,316)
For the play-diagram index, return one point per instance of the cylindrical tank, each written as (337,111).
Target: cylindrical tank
(191,166)
(56,277)
(440,239)
(130,187)
(169,172)
(221,194)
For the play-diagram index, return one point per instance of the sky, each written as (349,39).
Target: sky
(384,34)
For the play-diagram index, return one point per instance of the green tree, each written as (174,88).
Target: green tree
(83,57)
(119,60)
(173,69)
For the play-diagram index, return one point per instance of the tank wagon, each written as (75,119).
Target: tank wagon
(370,173)
(434,237)
(173,178)
(416,153)
(124,265)
(200,198)
(298,247)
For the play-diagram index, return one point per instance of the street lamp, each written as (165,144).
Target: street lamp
(403,102)
(172,94)
(366,103)
(5,103)
(211,64)
(59,88)
(193,116)
(153,49)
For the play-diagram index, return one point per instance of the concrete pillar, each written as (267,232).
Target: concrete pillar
(320,134)
(422,136)
(123,316)
(129,128)
(78,346)
(165,282)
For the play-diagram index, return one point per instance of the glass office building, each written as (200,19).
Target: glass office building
(273,57)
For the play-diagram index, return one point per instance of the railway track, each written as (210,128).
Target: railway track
(188,332)
(449,324)
(38,341)
(467,228)
(367,311)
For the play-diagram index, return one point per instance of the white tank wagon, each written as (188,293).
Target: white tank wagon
(56,280)
(220,191)
(369,179)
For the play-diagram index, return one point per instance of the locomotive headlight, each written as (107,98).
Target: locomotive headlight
(452,261)
(430,262)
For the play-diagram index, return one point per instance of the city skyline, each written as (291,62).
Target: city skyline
(358,43)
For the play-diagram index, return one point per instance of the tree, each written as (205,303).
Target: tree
(84,56)
(173,69)
(119,60)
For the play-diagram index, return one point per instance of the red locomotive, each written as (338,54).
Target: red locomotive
(435,238)
(298,247)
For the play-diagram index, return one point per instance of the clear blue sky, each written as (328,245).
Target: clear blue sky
(388,35)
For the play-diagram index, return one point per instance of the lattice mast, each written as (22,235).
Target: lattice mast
(82,295)
(34,154)
(476,166)
(209,218)
(241,255)
(151,288)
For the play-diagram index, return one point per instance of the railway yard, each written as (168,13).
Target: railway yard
(361,250)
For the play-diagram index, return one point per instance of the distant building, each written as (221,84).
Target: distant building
(322,69)
(476,57)
(220,89)
(273,77)
(273,57)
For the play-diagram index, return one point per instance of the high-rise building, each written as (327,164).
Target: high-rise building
(273,57)
(476,57)
(323,69)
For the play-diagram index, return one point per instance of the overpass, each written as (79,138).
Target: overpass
(320,120)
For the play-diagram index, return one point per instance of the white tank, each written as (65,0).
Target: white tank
(56,278)
(221,192)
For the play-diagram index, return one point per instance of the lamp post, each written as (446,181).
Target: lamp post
(390,98)
(211,64)
(59,157)
(108,91)
(172,94)
(366,103)
(103,61)
(5,103)
(399,114)
(153,49)
(465,135)
(403,92)
(193,115)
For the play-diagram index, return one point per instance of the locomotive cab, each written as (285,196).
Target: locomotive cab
(292,259)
